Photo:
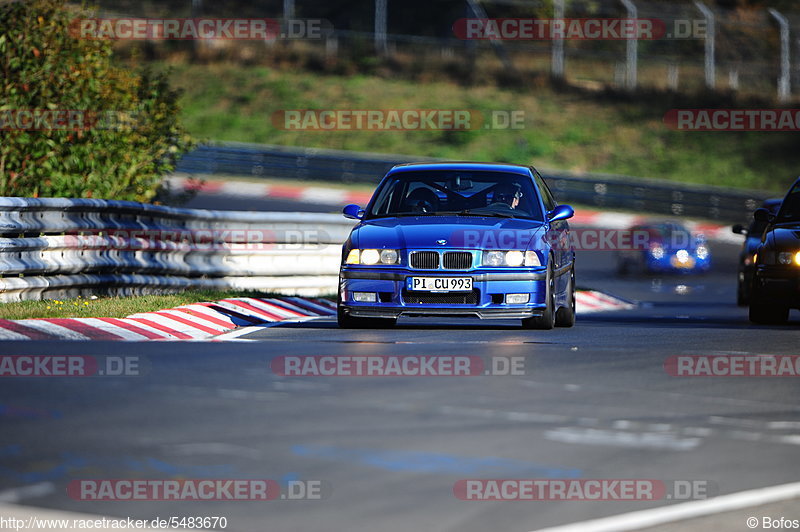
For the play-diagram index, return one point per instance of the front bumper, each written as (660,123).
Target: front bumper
(777,284)
(487,299)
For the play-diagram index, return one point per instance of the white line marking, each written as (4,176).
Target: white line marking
(645,440)
(683,511)
(26,492)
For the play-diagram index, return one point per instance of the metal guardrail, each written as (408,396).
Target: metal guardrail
(598,190)
(51,248)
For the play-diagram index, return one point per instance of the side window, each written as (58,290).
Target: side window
(547,196)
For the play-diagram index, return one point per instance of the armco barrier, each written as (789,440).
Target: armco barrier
(67,247)
(599,190)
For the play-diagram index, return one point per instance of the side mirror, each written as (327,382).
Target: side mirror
(561,212)
(739,229)
(762,215)
(353,212)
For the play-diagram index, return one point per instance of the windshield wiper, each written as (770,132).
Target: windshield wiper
(468,212)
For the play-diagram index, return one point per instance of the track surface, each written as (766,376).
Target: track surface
(596,403)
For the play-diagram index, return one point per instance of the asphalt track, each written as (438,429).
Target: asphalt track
(595,402)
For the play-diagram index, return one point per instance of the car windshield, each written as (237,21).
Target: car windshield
(467,193)
(790,208)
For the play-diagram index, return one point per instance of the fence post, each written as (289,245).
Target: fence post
(784,85)
(557,58)
(380,27)
(710,63)
(631,50)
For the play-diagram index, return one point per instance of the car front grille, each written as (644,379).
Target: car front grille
(457,260)
(450,298)
(425,260)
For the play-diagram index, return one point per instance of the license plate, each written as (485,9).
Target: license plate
(439,284)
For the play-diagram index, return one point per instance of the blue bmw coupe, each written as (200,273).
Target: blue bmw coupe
(459,240)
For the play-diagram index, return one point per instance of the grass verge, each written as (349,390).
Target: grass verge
(563,129)
(113,307)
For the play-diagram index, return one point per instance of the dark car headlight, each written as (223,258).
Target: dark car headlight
(789,257)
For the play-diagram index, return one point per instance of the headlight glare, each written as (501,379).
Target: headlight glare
(797,258)
(514,258)
(701,252)
(370,256)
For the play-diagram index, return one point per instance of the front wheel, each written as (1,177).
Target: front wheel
(565,316)
(548,318)
(768,314)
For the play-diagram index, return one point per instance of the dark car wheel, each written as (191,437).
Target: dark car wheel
(565,316)
(768,314)
(741,296)
(548,319)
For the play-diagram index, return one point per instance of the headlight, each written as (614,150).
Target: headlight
(514,258)
(372,256)
(657,252)
(511,258)
(701,252)
(493,258)
(789,257)
(532,259)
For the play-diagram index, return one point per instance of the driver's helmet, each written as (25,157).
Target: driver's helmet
(507,192)
(422,200)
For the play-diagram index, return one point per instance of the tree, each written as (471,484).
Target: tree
(72,122)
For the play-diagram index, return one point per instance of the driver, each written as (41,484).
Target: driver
(508,194)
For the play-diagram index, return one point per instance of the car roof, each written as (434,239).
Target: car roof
(462,166)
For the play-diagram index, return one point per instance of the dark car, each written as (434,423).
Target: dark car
(459,239)
(776,280)
(751,242)
(669,247)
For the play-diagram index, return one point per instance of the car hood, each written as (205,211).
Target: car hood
(467,232)
(784,237)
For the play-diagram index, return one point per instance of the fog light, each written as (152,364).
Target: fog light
(365,297)
(517,299)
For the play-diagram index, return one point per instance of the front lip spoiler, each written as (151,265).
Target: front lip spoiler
(395,312)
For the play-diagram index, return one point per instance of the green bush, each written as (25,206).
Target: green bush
(44,67)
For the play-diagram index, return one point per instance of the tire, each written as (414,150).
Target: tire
(548,318)
(565,316)
(767,314)
(741,297)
